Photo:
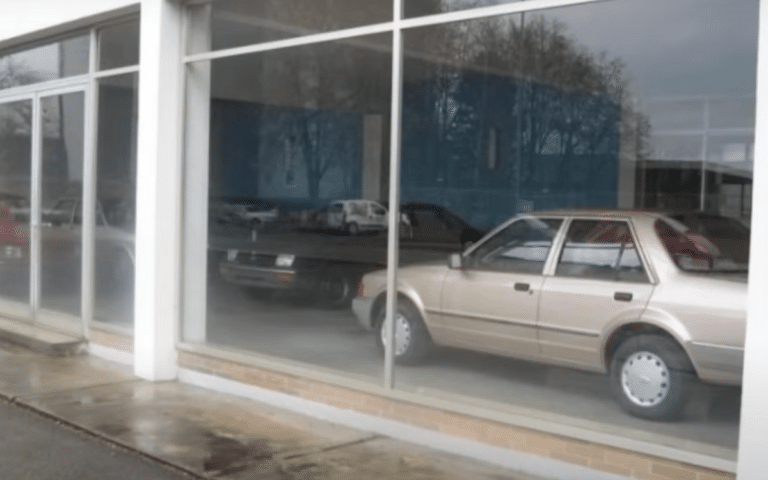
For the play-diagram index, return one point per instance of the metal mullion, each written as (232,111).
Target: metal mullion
(485,12)
(88,194)
(291,42)
(34,88)
(34,210)
(113,72)
(52,92)
(393,237)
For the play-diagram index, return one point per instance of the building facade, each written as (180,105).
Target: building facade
(154,154)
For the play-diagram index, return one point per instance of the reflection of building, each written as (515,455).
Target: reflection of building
(489,147)
(287,154)
(696,135)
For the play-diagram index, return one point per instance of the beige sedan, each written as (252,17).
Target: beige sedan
(632,294)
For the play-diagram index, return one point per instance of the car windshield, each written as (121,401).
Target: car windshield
(695,252)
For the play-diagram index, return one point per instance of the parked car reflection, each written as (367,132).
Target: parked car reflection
(428,223)
(61,234)
(327,267)
(627,293)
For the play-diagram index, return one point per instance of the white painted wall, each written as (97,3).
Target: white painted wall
(23,20)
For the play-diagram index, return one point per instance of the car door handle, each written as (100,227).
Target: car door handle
(622,297)
(522,287)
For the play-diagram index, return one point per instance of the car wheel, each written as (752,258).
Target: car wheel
(353,228)
(336,289)
(651,376)
(412,341)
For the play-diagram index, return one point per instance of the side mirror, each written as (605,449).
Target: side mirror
(456,261)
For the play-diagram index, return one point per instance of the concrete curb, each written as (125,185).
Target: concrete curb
(41,340)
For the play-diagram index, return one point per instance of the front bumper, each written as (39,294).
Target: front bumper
(363,310)
(263,277)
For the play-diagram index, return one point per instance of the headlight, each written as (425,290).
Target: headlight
(231,255)
(284,260)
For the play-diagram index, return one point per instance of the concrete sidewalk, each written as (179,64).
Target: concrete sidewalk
(207,434)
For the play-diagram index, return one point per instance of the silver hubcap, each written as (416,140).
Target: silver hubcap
(645,379)
(402,334)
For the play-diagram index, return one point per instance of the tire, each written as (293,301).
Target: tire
(353,228)
(412,341)
(336,288)
(651,377)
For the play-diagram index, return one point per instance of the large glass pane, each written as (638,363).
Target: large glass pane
(48,62)
(61,218)
(116,193)
(119,45)
(234,23)
(417,8)
(15,169)
(557,113)
(294,145)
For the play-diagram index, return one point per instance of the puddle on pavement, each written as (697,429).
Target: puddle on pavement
(228,455)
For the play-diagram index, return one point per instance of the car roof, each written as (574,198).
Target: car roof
(610,213)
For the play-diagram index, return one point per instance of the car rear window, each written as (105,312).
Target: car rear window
(694,252)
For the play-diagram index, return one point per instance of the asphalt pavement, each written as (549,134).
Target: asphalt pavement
(36,447)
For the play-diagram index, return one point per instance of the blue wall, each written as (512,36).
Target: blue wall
(553,148)
(484,146)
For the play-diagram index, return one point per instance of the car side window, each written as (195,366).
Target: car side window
(358,209)
(600,250)
(427,220)
(60,214)
(522,247)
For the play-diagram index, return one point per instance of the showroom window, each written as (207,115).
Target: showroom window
(52,61)
(47,157)
(506,108)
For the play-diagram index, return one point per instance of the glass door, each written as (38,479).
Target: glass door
(61,127)
(15,203)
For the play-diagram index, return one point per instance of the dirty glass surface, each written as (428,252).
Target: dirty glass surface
(236,23)
(284,135)
(553,110)
(116,193)
(119,45)
(417,8)
(16,165)
(504,116)
(48,62)
(62,123)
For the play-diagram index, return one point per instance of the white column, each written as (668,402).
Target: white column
(753,430)
(158,197)
(196,146)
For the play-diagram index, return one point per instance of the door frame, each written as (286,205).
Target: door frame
(35,314)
